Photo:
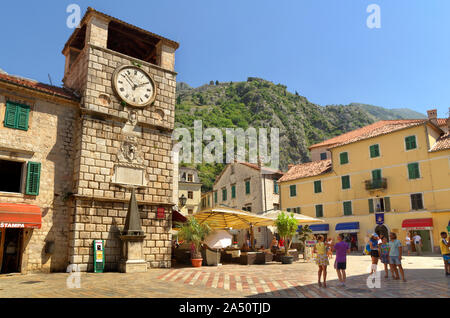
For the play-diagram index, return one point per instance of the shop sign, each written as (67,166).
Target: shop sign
(379,218)
(12,225)
(160,214)
(311,243)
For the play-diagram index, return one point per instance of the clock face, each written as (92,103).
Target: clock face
(134,86)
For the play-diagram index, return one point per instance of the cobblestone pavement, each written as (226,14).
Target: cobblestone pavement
(425,278)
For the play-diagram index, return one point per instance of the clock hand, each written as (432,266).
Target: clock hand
(131,82)
(142,84)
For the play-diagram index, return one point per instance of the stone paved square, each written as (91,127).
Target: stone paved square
(425,278)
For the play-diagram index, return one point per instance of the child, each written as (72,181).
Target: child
(445,251)
(384,255)
(395,257)
(374,253)
(329,248)
(341,248)
(321,260)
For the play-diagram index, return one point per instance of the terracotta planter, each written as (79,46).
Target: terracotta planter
(197,262)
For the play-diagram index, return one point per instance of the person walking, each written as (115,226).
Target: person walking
(418,243)
(408,242)
(384,255)
(321,260)
(445,251)
(395,257)
(340,264)
(374,253)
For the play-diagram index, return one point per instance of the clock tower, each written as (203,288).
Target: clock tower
(126,80)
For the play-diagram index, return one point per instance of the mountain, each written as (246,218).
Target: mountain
(261,103)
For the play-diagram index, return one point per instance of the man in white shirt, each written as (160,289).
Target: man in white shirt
(418,243)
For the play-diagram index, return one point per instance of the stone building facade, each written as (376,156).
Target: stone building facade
(103,147)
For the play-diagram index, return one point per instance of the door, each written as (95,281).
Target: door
(2,243)
(426,240)
(382,231)
(12,248)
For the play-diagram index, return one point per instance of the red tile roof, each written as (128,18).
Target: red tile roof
(442,122)
(308,169)
(41,87)
(255,166)
(376,129)
(442,143)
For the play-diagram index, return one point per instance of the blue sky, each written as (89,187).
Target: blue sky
(320,48)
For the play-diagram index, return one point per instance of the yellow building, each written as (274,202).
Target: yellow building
(389,176)
(189,191)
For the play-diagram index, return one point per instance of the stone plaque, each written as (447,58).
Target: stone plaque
(129,175)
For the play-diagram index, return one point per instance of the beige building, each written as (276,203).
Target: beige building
(250,187)
(189,189)
(71,155)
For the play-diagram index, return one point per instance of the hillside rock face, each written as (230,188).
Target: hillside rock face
(260,103)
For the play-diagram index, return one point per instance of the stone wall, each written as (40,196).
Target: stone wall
(48,140)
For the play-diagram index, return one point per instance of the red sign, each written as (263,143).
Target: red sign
(160,214)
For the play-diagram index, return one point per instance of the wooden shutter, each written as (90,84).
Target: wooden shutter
(10,115)
(376,174)
(293,190)
(345,182)
(33,178)
(348,208)
(317,186)
(410,142)
(344,158)
(371,206)
(22,117)
(247,187)
(233,191)
(319,211)
(387,204)
(374,151)
(413,170)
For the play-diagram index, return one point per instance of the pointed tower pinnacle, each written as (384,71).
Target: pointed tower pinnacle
(133,220)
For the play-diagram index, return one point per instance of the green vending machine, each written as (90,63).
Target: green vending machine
(99,256)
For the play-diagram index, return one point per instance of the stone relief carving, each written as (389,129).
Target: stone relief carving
(130,152)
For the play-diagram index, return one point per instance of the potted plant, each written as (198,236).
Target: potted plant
(286,227)
(193,232)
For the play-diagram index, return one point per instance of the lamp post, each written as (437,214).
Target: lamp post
(183,200)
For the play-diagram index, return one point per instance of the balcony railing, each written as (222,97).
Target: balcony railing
(376,184)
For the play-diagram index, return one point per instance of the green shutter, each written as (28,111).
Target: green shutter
(345,182)
(233,191)
(376,174)
(348,208)
(410,142)
(224,194)
(370,205)
(10,115)
(275,187)
(22,118)
(344,157)
(293,190)
(215,197)
(387,204)
(413,170)
(319,210)
(33,177)
(374,151)
(247,187)
(317,186)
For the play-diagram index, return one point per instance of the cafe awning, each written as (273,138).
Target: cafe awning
(13,215)
(348,227)
(418,224)
(318,228)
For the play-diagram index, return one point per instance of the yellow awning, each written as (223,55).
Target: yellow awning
(223,217)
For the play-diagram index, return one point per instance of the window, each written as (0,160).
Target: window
(288,209)
(379,205)
(11,176)
(276,188)
(416,201)
(247,208)
(224,194)
(247,187)
(204,203)
(343,156)
(190,211)
(190,177)
(347,207)
(317,186)
(293,190)
(276,206)
(323,156)
(233,191)
(215,196)
(410,142)
(413,170)
(374,151)
(345,182)
(319,210)
(190,195)
(16,116)
(297,210)
(376,174)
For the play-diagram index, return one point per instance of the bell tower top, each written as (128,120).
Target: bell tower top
(104,31)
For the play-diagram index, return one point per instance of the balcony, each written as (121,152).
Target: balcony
(376,184)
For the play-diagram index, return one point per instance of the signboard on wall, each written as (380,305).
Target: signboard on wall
(379,218)
(160,213)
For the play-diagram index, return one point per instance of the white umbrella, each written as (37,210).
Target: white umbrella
(219,239)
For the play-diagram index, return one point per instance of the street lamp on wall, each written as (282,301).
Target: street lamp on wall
(183,200)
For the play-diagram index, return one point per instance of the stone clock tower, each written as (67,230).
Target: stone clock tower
(126,80)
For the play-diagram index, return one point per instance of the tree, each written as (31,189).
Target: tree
(217,82)
(287,227)
(194,232)
(211,82)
